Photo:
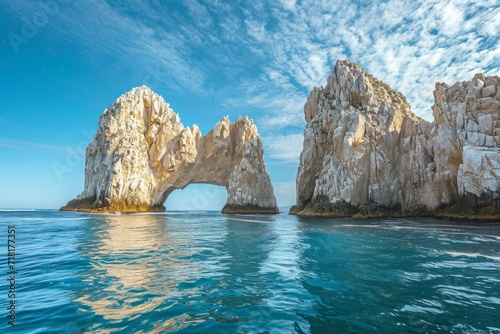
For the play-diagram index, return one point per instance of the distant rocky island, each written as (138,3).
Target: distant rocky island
(366,154)
(142,153)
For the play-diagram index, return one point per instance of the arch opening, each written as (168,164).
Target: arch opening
(197,197)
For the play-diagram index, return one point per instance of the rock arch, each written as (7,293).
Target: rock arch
(142,152)
(197,197)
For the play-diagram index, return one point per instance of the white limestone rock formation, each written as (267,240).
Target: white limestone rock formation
(142,152)
(366,154)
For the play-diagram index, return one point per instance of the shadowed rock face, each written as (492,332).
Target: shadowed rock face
(366,154)
(142,152)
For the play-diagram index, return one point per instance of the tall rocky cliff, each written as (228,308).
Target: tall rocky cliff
(142,152)
(366,154)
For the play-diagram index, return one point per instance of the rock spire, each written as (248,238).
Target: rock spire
(142,152)
(366,154)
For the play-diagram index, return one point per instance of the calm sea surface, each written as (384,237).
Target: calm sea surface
(206,272)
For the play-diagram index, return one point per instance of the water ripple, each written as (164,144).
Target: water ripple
(205,272)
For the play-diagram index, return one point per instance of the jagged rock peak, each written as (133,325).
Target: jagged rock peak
(142,152)
(351,85)
(365,153)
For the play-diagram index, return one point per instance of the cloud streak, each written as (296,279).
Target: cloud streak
(263,57)
(411,46)
(286,148)
(28,145)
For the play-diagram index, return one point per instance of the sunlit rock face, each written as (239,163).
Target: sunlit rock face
(366,154)
(142,152)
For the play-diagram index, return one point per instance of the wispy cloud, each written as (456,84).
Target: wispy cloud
(28,145)
(263,57)
(115,42)
(284,147)
(411,46)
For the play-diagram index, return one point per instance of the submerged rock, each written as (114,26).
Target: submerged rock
(142,152)
(366,154)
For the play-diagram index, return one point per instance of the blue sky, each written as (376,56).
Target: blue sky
(65,61)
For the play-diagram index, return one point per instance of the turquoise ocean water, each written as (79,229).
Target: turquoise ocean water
(204,272)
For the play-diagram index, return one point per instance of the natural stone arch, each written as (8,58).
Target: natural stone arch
(142,152)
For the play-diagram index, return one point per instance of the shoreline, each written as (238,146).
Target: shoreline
(395,214)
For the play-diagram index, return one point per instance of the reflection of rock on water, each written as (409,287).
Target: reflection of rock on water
(133,260)
(170,271)
(247,245)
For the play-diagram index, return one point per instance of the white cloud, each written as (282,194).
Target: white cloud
(29,145)
(411,46)
(284,147)
(115,42)
(452,18)
(288,4)
(256,30)
(272,54)
(199,13)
